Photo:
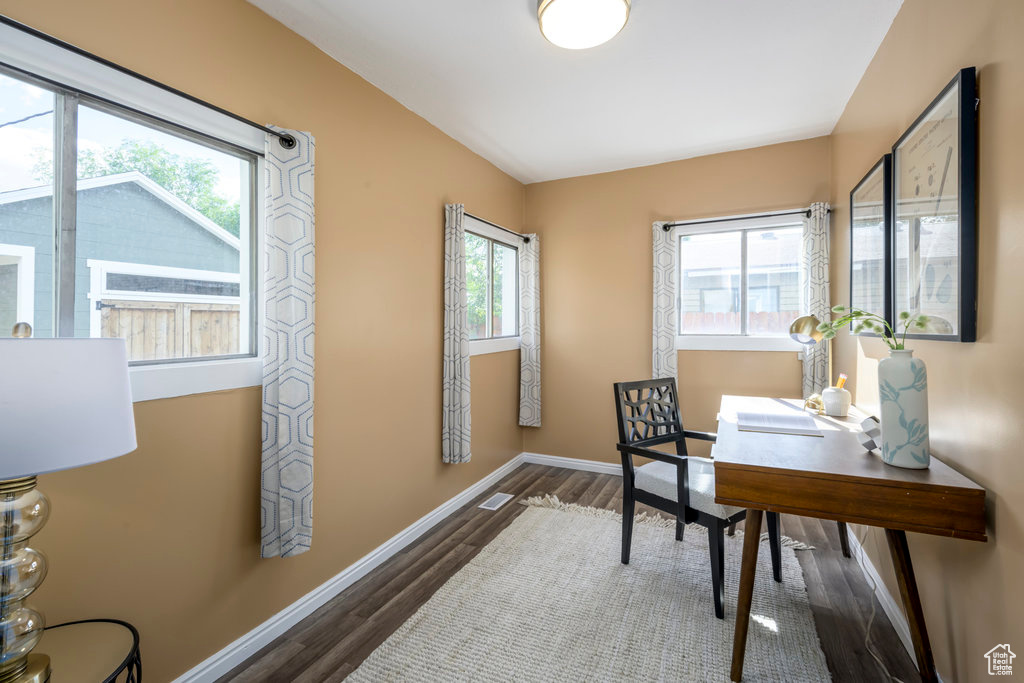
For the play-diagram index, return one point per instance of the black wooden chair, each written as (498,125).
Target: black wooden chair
(680,485)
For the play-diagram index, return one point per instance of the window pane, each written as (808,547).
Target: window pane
(504,288)
(773,280)
(867,272)
(710,283)
(26,207)
(170,285)
(147,201)
(476,285)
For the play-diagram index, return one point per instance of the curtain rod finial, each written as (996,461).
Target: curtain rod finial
(287,141)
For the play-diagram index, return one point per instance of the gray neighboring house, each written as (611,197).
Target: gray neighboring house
(138,246)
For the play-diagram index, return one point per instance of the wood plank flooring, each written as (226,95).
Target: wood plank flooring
(330,643)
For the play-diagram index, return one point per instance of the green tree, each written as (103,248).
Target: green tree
(192,180)
(476,286)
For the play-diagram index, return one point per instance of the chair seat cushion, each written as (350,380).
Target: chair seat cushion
(659,478)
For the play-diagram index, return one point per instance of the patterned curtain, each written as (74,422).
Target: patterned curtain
(814,287)
(287,474)
(455,413)
(664,358)
(529,332)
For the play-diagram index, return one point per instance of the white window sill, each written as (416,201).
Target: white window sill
(727,342)
(151,382)
(478,347)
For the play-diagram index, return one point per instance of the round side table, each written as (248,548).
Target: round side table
(92,651)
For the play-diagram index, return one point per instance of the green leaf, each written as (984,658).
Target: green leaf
(838,309)
(904,315)
(824,326)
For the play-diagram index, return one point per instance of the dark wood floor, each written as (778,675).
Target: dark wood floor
(331,642)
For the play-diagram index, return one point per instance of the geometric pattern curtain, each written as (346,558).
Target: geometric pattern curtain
(814,289)
(286,509)
(663,357)
(455,405)
(529,332)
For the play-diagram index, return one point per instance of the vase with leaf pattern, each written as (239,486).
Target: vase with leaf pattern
(903,392)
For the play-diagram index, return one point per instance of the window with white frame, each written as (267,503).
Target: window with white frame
(492,282)
(739,282)
(156,240)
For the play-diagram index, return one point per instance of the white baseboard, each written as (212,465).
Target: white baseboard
(220,663)
(890,606)
(572,463)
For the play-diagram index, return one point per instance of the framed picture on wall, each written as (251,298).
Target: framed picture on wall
(934,231)
(871,242)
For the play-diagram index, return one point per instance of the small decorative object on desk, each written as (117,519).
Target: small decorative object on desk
(837,400)
(902,386)
(870,433)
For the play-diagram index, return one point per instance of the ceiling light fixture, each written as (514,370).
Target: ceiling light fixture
(579,24)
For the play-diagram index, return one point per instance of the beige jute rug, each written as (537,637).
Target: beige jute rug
(548,600)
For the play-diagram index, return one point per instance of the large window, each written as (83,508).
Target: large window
(150,237)
(492,286)
(739,282)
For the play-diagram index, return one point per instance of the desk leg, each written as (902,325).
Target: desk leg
(751,543)
(911,603)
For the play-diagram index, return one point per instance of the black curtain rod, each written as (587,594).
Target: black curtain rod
(806,213)
(495,225)
(286,140)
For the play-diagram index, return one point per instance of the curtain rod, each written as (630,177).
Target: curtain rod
(287,141)
(804,212)
(495,225)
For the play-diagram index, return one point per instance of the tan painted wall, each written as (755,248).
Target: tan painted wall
(596,286)
(972,592)
(167,537)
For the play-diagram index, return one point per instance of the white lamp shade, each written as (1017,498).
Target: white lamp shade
(63,403)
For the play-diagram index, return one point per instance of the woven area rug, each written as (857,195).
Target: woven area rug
(548,600)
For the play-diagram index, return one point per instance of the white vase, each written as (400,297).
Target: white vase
(836,401)
(903,392)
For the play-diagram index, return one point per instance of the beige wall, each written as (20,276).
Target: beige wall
(972,592)
(167,536)
(596,285)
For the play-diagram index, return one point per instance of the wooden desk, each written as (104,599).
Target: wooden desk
(833,477)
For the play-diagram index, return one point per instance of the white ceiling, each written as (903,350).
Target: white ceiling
(683,79)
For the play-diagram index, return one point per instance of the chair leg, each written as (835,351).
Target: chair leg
(844,538)
(680,527)
(731,531)
(628,506)
(775,544)
(716,542)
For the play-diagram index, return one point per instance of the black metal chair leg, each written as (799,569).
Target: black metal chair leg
(775,544)
(844,538)
(628,506)
(680,527)
(716,542)
(731,531)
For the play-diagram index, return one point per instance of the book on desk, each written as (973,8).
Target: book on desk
(798,424)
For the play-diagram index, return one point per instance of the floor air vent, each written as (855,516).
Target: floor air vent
(496,501)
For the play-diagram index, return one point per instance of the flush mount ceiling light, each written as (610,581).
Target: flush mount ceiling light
(579,24)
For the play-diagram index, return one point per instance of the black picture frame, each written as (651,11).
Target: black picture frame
(871,200)
(934,260)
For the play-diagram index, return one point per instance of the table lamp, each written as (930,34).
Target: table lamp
(63,403)
(805,330)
